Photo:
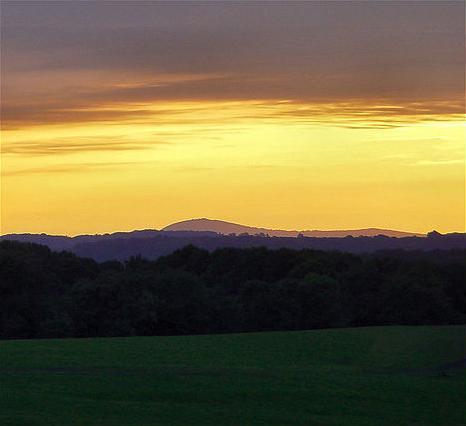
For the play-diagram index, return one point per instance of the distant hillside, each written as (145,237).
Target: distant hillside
(153,244)
(62,242)
(227,228)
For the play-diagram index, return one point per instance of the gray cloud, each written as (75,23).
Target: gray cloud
(303,51)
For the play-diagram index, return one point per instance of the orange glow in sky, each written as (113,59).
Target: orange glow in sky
(355,135)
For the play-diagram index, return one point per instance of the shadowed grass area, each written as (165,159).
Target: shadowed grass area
(367,376)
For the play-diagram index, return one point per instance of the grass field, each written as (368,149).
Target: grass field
(368,376)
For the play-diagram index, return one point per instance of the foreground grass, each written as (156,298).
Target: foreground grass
(369,376)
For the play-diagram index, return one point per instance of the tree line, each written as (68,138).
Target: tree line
(45,294)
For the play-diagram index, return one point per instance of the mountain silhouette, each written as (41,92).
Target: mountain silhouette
(152,244)
(227,228)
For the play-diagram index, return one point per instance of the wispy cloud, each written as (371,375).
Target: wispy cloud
(71,168)
(73,145)
(440,162)
(209,117)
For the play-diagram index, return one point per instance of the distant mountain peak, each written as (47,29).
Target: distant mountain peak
(225,228)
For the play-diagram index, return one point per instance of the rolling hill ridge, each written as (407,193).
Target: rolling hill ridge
(226,228)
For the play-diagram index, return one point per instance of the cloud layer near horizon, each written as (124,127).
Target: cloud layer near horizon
(60,57)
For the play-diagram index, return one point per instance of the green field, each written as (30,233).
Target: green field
(368,376)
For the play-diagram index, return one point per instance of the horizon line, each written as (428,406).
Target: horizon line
(162,228)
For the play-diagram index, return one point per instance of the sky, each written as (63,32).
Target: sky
(294,115)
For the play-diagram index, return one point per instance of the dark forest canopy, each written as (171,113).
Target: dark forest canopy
(193,291)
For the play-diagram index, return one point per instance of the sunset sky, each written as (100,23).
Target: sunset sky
(298,115)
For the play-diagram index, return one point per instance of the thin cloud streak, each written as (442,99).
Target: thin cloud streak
(74,168)
(439,162)
(73,145)
(113,166)
(351,114)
